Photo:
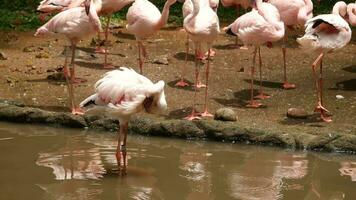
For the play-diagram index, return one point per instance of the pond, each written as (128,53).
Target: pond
(51,163)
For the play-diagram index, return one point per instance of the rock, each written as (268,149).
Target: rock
(11,81)
(163,60)
(29,49)
(225,114)
(56,77)
(42,55)
(79,54)
(297,113)
(3,56)
(339,97)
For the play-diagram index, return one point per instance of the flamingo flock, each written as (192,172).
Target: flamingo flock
(123,92)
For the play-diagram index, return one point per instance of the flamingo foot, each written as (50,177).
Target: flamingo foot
(321,109)
(78,80)
(193,116)
(201,56)
(101,50)
(200,85)
(181,83)
(108,66)
(288,86)
(254,104)
(77,111)
(325,118)
(206,114)
(262,96)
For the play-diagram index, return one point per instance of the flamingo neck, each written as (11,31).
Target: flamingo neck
(351,12)
(340,9)
(165,14)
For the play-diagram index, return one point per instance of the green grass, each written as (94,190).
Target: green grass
(20,15)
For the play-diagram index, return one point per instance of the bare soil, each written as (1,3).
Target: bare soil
(23,77)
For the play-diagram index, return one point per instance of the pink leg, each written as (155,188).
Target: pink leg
(206,112)
(319,86)
(194,115)
(286,84)
(140,61)
(121,148)
(106,64)
(75,110)
(182,83)
(99,48)
(261,95)
(67,77)
(252,103)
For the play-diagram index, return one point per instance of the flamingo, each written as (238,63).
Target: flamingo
(351,12)
(47,7)
(108,8)
(292,12)
(74,23)
(144,20)
(324,34)
(259,26)
(121,94)
(202,25)
(187,9)
(238,4)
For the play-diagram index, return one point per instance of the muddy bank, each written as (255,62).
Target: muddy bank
(234,132)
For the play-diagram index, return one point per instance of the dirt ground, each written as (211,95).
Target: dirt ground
(23,77)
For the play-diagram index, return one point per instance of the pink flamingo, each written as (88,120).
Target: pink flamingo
(74,23)
(238,4)
(47,7)
(108,8)
(351,12)
(144,20)
(323,34)
(187,9)
(121,94)
(202,25)
(261,25)
(292,12)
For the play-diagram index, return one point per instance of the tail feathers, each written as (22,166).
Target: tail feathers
(89,101)
(308,42)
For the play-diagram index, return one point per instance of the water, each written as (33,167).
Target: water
(48,163)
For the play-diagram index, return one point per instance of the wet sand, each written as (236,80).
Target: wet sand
(23,77)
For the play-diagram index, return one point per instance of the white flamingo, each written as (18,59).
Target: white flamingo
(323,34)
(202,25)
(121,94)
(143,20)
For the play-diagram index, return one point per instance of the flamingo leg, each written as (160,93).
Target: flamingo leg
(252,103)
(118,148)
(206,112)
(194,115)
(182,83)
(319,87)
(123,147)
(99,49)
(286,84)
(140,61)
(106,64)
(261,95)
(198,56)
(67,76)
(75,110)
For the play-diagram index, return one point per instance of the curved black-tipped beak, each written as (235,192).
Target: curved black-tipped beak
(87,6)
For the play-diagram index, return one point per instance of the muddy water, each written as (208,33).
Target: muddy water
(48,163)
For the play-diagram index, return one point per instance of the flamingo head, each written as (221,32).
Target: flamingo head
(171,2)
(156,102)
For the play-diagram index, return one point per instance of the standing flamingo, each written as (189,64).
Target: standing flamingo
(108,8)
(187,9)
(292,12)
(74,23)
(144,20)
(123,93)
(238,4)
(202,25)
(47,7)
(323,34)
(259,26)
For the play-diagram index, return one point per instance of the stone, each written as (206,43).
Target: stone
(3,56)
(339,97)
(56,77)
(163,60)
(79,54)
(42,55)
(297,113)
(225,114)
(29,49)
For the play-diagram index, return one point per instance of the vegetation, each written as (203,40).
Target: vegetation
(21,14)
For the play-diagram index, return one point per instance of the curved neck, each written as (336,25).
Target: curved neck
(165,14)
(351,12)
(338,9)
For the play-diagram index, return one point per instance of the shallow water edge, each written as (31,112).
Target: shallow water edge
(13,111)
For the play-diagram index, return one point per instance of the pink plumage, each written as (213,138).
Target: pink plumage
(351,12)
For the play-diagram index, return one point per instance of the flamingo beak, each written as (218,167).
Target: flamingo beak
(87,6)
